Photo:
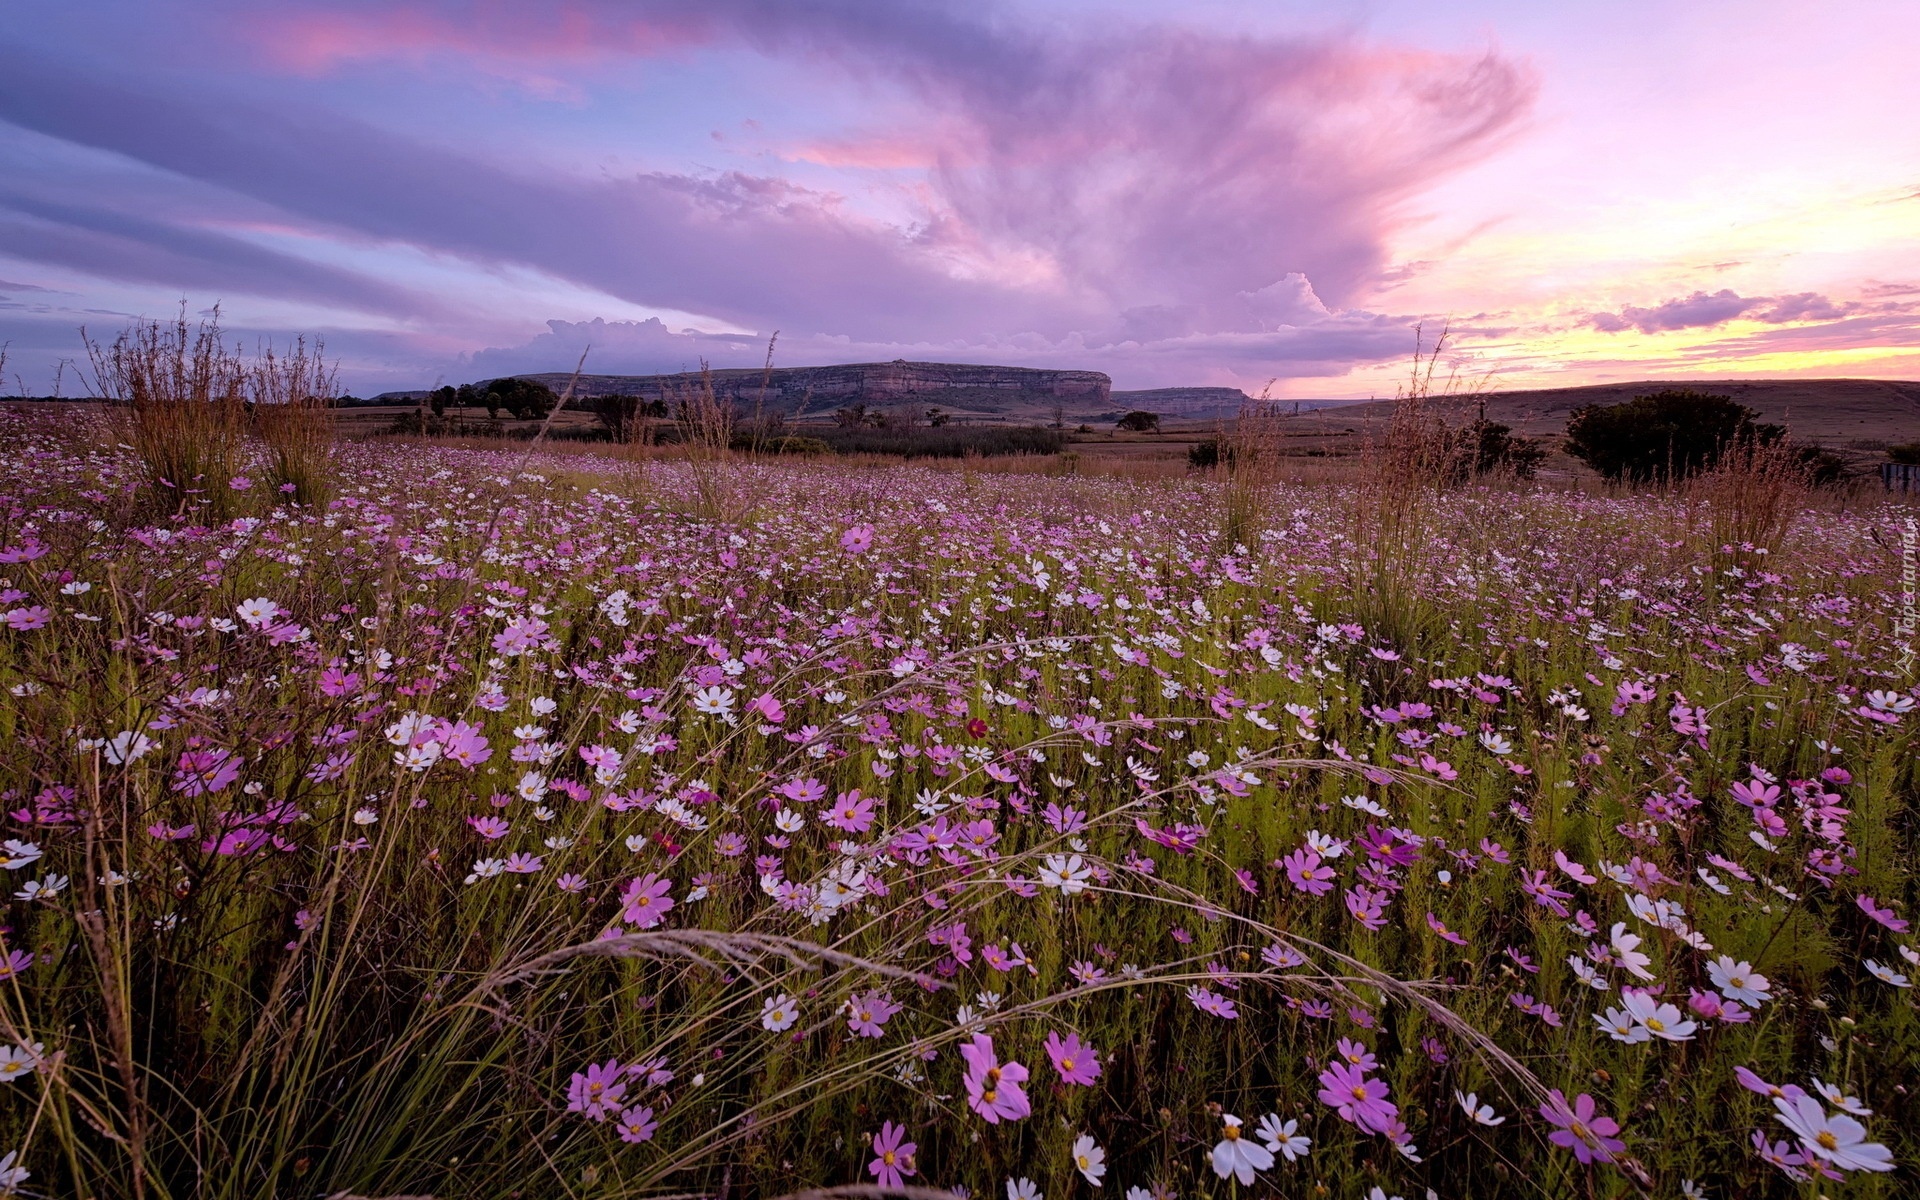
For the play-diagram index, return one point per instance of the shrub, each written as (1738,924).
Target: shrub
(1906,452)
(527,399)
(627,418)
(1664,436)
(1139,421)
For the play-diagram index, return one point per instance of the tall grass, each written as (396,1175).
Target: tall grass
(181,395)
(290,397)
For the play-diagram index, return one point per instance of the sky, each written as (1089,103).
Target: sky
(1268,195)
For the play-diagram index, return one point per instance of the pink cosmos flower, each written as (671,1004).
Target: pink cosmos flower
(645,902)
(204,772)
(1076,1062)
(993,1088)
(596,1092)
(892,1164)
(490,828)
(1357,1098)
(1590,1137)
(1212,1003)
(23,620)
(857,540)
(1883,915)
(852,812)
(636,1124)
(1306,874)
(868,1012)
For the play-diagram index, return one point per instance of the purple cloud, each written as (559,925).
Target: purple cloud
(1083,190)
(1704,309)
(1692,312)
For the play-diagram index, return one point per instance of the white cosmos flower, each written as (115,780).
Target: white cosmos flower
(126,746)
(258,611)
(42,889)
(1089,1159)
(1626,949)
(1840,1100)
(1238,1156)
(1282,1139)
(1068,872)
(1657,1018)
(1886,975)
(1837,1139)
(16,1061)
(713,701)
(1620,1025)
(1739,981)
(1481,1113)
(778,1013)
(1024,1189)
(17,854)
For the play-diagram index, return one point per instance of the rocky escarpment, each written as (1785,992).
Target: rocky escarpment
(821,390)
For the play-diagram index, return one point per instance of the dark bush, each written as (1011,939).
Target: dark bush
(1907,452)
(1139,421)
(1664,436)
(626,418)
(1493,449)
(524,398)
(1210,453)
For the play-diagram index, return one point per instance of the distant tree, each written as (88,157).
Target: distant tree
(526,399)
(440,398)
(1664,436)
(466,396)
(626,418)
(1906,452)
(938,417)
(1493,449)
(1140,421)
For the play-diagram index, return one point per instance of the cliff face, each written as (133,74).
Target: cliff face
(820,390)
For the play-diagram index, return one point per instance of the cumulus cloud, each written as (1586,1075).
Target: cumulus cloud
(1081,190)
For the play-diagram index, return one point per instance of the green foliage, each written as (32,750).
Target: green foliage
(527,399)
(1664,436)
(1139,421)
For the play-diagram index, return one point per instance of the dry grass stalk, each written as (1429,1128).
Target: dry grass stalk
(181,395)
(1751,497)
(292,403)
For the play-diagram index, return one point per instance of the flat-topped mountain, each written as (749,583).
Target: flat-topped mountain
(820,390)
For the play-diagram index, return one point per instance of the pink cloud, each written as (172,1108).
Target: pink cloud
(314,41)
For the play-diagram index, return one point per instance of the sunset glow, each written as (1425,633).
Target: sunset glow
(1229,194)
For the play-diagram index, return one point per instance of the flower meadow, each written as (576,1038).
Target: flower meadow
(500,825)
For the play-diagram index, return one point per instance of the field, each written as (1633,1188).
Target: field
(500,822)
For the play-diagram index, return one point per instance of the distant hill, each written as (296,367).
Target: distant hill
(1837,412)
(818,391)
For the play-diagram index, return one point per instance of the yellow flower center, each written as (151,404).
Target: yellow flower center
(1359,1093)
(888,1158)
(1066,1064)
(1655,1024)
(1581,1131)
(1827,1140)
(1232,1133)
(990,1095)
